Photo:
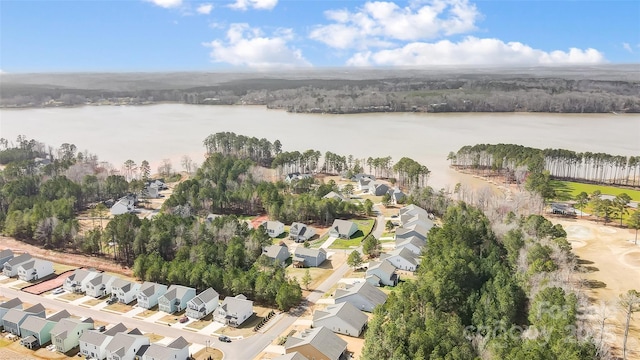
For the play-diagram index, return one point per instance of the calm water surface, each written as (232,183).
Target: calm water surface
(153,133)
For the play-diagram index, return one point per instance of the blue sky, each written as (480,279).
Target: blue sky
(181,35)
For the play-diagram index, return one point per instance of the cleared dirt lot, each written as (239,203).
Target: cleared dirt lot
(612,264)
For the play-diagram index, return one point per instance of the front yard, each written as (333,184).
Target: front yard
(364,228)
(246,329)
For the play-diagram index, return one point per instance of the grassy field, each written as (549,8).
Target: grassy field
(364,228)
(567,190)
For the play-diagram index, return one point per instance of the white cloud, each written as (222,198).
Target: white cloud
(627,47)
(166,3)
(247,46)
(204,9)
(473,51)
(377,23)
(254,4)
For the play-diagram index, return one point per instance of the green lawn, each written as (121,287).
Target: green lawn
(567,190)
(364,228)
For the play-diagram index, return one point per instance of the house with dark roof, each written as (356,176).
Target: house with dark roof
(125,290)
(308,257)
(363,184)
(276,253)
(378,188)
(397,196)
(176,298)
(76,282)
(5,255)
(14,318)
(402,259)
(234,310)
(36,331)
(178,349)
(382,273)
(125,346)
(14,303)
(343,318)
(66,334)
(363,296)
(343,229)
(93,343)
(203,304)
(11,267)
(99,286)
(149,294)
(35,269)
(62,314)
(300,232)
(319,343)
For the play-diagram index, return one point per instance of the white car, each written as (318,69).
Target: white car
(58,291)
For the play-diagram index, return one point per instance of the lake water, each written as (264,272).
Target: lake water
(156,132)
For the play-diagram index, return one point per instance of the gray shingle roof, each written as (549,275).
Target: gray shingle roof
(94,337)
(11,304)
(344,311)
(205,296)
(117,328)
(384,266)
(366,290)
(80,274)
(6,253)
(34,324)
(179,343)
(342,226)
(272,251)
(322,339)
(66,325)
(403,253)
(233,304)
(59,316)
(123,284)
(303,251)
(150,288)
(19,259)
(176,292)
(291,356)
(121,342)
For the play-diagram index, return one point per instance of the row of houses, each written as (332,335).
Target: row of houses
(368,184)
(66,332)
(302,256)
(345,317)
(24,266)
(170,299)
(300,232)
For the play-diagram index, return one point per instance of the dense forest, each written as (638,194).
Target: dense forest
(341,91)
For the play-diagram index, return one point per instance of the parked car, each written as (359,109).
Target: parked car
(224,338)
(183,319)
(112,300)
(58,291)
(102,328)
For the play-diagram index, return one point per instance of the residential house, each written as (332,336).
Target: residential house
(99,286)
(176,298)
(273,228)
(363,296)
(276,253)
(14,318)
(149,294)
(125,290)
(397,196)
(306,257)
(335,196)
(377,188)
(62,314)
(413,209)
(300,232)
(343,318)
(77,282)
(11,266)
(363,184)
(14,303)
(203,304)
(414,231)
(125,204)
(35,269)
(289,178)
(125,346)
(234,310)
(36,331)
(412,243)
(319,344)
(343,229)
(178,349)
(402,259)
(66,334)
(93,343)
(382,273)
(291,356)
(5,255)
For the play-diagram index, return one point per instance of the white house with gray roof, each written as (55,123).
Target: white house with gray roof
(14,303)
(276,253)
(412,243)
(66,334)
(234,310)
(149,294)
(14,318)
(93,343)
(5,255)
(273,228)
(77,282)
(343,318)
(335,196)
(99,286)
(10,268)
(343,229)
(363,296)
(407,232)
(382,273)
(203,304)
(306,257)
(176,298)
(378,188)
(178,349)
(36,331)
(125,290)
(35,269)
(124,346)
(318,343)
(402,259)
(300,232)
